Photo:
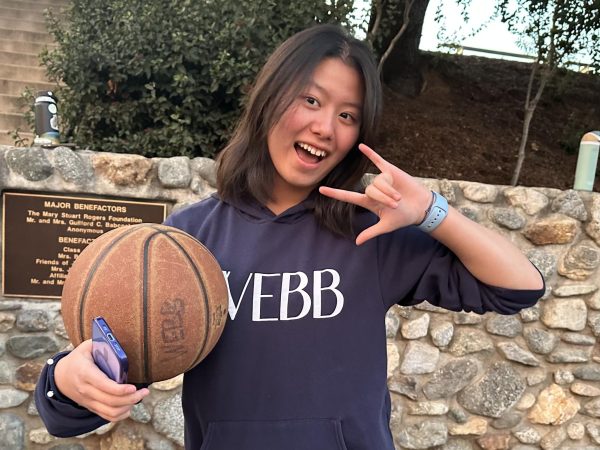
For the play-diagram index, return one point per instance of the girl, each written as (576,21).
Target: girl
(302,362)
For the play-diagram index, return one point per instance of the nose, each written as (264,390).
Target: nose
(322,125)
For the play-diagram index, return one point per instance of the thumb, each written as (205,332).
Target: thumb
(85,350)
(373,231)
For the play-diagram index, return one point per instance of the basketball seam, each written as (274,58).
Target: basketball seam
(92,272)
(183,233)
(146,370)
(202,286)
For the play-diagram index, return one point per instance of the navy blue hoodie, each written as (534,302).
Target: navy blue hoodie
(302,360)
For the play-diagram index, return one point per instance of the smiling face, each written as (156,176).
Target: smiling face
(315,133)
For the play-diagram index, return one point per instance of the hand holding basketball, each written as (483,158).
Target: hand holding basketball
(161,291)
(78,378)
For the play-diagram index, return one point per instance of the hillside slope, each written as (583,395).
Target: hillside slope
(467,123)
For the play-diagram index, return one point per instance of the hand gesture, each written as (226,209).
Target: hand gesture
(394,196)
(77,377)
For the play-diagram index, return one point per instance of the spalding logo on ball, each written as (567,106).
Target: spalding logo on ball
(160,290)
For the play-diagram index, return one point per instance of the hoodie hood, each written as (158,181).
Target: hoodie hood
(254,211)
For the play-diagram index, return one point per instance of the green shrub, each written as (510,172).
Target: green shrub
(161,78)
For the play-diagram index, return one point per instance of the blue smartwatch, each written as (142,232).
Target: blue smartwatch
(435,214)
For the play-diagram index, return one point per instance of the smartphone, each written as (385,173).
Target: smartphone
(108,354)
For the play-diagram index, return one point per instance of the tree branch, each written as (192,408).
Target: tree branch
(548,69)
(378,14)
(531,80)
(406,18)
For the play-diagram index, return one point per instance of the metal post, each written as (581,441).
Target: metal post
(587,161)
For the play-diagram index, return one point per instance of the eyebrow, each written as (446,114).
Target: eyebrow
(322,89)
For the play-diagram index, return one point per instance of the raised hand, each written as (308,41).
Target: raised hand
(77,377)
(394,196)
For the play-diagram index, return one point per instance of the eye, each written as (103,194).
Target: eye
(347,116)
(311,101)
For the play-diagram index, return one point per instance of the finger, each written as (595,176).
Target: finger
(374,157)
(373,231)
(376,195)
(95,377)
(115,401)
(86,347)
(110,387)
(119,417)
(101,385)
(110,414)
(97,386)
(123,416)
(385,183)
(99,379)
(127,400)
(355,198)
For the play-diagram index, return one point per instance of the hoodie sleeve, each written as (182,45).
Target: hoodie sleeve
(61,416)
(415,267)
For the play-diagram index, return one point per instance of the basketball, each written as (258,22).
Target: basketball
(160,290)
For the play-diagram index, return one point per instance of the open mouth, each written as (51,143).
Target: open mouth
(308,153)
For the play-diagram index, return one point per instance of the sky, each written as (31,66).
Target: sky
(479,32)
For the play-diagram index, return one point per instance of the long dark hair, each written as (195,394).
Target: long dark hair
(245,169)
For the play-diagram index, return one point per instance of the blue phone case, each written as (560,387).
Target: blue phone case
(108,354)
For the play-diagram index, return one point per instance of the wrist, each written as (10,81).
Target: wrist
(58,366)
(55,366)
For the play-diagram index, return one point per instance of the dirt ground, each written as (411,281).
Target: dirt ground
(467,123)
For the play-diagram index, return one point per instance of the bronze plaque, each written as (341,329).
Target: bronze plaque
(42,234)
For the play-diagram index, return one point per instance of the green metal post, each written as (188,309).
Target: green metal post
(587,161)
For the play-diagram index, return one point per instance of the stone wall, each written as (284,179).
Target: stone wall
(458,381)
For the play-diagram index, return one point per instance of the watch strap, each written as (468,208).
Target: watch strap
(435,214)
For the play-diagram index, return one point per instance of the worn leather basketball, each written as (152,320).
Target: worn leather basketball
(160,290)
